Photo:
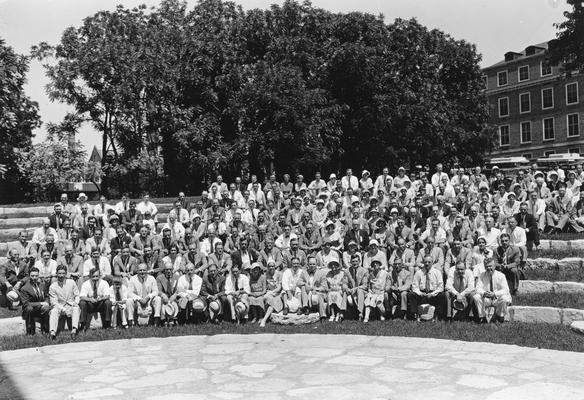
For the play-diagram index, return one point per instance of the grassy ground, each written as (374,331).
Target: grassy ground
(556,337)
(555,253)
(561,300)
(6,313)
(555,275)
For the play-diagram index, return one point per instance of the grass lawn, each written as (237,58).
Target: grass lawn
(555,253)
(561,300)
(554,275)
(558,337)
(6,313)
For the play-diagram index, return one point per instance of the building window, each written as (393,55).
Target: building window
(504,135)
(547,98)
(527,155)
(525,132)
(548,129)
(548,153)
(502,78)
(572,93)
(524,103)
(504,107)
(523,73)
(573,125)
(546,68)
(575,150)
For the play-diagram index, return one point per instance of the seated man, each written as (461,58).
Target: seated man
(188,290)
(73,262)
(143,293)
(492,291)
(401,286)
(64,298)
(97,261)
(311,285)
(237,291)
(290,288)
(124,265)
(427,288)
(460,287)
(95,297)
(119,298)
(34,303)
(358,284)
(213,291)
(12,276)
(508,260)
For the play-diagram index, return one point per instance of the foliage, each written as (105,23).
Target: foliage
(568,47)
(18,118)
(50,165)
(292,88)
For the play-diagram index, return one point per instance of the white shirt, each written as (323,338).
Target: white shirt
(40,235)
(138,290)
(491,236)
(290,279)
(182,286)
(46,270)
(150,206)
(177,230)
(242,284)
(104,266)
(87,289)
(518,237)
(283,243)
(350,182)
(500,286)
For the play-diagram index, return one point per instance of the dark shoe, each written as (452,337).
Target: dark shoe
(285,311)
(156,321)
(53,336)
(306,311)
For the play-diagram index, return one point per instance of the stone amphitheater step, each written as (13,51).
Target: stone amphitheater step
(43,211)
(549,315)
(534,287)
(562,244)
(568,263)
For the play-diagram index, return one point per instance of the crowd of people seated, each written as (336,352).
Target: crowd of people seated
(418,245)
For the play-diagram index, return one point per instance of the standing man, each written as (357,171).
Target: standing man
(64,297)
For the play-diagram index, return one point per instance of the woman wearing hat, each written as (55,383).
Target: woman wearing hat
(573,187)
(258,288)
(378,283)
(273,296)
(335,286)
(365,182)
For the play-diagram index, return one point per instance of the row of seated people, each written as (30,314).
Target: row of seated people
(254,293)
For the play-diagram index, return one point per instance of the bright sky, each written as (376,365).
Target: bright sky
(495,26)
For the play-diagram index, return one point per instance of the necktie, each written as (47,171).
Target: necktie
(428,282)
(354,274)
(57,219)
(459,284)
(118,295)
(37,291)
(95,290)
(491,284)
(190,283)
(84,221)
(236,285)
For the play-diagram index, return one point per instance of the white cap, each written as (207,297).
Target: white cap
(373,241)
(332,176)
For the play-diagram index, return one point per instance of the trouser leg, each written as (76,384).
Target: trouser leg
(54,316)
(130,307)
(512,275)
(156,303)
(500,307)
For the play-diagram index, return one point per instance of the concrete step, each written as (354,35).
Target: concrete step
(43,211)
(33,222)
(562,244)
(568,263)
(549,315)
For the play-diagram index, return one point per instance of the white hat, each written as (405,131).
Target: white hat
(329,223)
(170,310)
(426,312)
(82,195)
(331,176)
(199,305)
(373,241)
(321,201)
(12,296)
(293,304)
(215,306)
(365,172)
(144,314)
(240,308)
(394,210)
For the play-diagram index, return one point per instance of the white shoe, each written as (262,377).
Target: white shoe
(366,320)
(262,324)
(337,318)
(382,318)
(331,318)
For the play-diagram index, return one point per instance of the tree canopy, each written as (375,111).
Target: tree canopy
(179,95)
(568,47)
(18,118)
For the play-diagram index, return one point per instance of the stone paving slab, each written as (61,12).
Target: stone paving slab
(300,366)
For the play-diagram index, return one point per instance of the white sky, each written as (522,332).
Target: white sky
(495,26)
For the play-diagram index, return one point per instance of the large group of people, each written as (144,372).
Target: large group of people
(419,245)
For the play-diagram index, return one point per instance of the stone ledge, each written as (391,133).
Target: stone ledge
(531,287)
(548,315)
(562,244)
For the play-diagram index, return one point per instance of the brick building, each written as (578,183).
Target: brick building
(537,109)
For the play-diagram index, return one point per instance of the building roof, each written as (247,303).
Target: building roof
(513,56)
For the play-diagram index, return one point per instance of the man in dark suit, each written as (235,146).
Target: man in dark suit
(508,260)
(359,236)
(132,217)
(12,276)
(89,230)
(167,289)
(529,223)
(57,218)
(244,254)
(34,303)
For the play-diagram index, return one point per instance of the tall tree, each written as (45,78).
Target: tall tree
(568,47)
(18,118)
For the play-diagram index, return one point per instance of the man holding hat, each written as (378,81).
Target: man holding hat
(492,291)
(95,297)
(188,289)
(167,289)
(143,295)
(237,291)
(213,290)
(460,289)
(427,288)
